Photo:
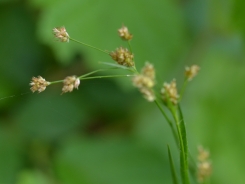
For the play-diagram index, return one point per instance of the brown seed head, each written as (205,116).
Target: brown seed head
(191,72)
(145,82)
(123,57)
(38,84)
(61,34)
(170,91)
(124,33)
(204,167)
(70,83)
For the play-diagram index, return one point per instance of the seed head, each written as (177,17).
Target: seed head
(191,72)
(170,91)
(204,167)
(145,81)
(123,57)
(124,33)
(70,83)
(38,84)
(61,34)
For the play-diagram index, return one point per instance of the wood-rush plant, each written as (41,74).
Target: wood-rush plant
(168,96)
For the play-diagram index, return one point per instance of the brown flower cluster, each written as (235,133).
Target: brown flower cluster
(124,33)
(61,34)
(38,84)
(191,72)
(146,81)
(169,91)
(70,83)
(204,165)
(123,57)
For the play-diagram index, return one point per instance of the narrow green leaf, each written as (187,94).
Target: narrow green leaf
(174,175)
(184,170)
(116,65)
(192,165)
(183,133)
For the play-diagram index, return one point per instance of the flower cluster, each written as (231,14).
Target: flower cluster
(204,165)
(124,33)
(61,34)
(146,81)
(191,72)
(70,83)
(123,57)
(169,91)
(38,84)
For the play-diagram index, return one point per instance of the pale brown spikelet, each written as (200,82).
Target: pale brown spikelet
(124,33)
(61,34)
(123,57)
(145,81)
(38,84)
(204,166)
(169,91)
(191,72)
(70,83)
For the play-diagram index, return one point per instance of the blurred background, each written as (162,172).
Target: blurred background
(105,132)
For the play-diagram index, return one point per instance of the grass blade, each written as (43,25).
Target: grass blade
(183,147)
(173,172)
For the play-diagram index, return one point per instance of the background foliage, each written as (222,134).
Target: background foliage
(106,133)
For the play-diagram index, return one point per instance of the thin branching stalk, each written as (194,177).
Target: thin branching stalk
(106,52)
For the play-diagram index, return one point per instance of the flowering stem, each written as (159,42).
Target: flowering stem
(180,126)
(129,45)
(168,120)
(54,82)
(130,48)
(89,46)
(183,89)
(109,76)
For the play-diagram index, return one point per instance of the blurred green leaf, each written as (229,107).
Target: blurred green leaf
(109,160)
(31,177)
(48,117)
(10,155)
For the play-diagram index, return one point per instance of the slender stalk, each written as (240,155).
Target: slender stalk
(169,121)
(109,76)
(129,45)
(106,52)
(54,82)
(85,75)
(99,70)
(183,89)
(183,152)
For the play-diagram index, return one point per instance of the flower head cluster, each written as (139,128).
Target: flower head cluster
(70,83)
(123,57)
(124,33)
(169,91)
(146,81)
(38,84)
(61,34)
(191,72)
(204,165)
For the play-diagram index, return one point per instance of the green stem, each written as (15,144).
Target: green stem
(183,152)
(106,52)
(129,45)
(109,76)
(131,50)
(99,70)
(54,82)
(183,89)
(168,120)
(90,73)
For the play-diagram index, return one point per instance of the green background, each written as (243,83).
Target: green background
(106,133)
